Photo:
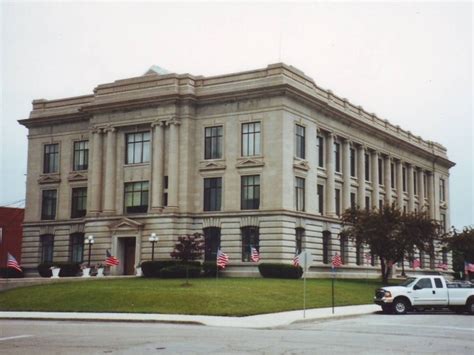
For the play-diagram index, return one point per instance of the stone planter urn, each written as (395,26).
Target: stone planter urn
(139,272)
(100,272)
(86,272)
(55,272)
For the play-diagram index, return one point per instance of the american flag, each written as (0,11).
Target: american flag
(254,255)
(12,263)
(442,266)
(111,260)
(222,259)
(416,263)
(296,260)
(468,267)
(336,261)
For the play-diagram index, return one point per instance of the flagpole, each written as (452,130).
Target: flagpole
(332,288)
(304,291)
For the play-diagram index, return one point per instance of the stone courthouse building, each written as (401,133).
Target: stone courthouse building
(263,158)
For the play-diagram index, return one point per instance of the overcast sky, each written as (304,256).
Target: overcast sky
(410,63)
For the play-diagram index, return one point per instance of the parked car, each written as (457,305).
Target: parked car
(424,292)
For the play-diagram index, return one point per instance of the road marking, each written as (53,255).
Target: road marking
(16,337)
(426,326)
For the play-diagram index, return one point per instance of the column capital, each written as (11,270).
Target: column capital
(96,129)
(109,129)
(158,123)
(173,121)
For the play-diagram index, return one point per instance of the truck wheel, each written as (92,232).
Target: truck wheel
(400,306)
(470,306)
(387,309)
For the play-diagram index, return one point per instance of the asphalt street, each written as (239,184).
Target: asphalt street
(435,333)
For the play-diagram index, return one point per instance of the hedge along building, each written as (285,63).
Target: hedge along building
(263,158)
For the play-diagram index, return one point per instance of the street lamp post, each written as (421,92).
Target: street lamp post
(90,241)
(153,239)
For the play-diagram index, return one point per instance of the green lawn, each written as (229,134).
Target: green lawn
(225,297)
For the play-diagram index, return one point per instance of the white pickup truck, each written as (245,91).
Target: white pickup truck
(424,292)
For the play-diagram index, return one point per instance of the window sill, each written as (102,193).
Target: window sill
(136,165)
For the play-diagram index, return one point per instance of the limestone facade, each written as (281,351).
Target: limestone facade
(263,158)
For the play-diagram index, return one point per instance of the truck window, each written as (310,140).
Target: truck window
(438,283)
(424,283)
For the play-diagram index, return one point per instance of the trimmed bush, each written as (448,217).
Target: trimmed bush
(152,268)
(179,271)
(9,273)
(280,271)
(67,269)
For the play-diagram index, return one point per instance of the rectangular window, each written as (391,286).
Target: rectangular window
(321,199)
(47,247)
(422,260)
(443,222)
(250,192)
(320,141)
(438,283)
(337,196)
(299,232)
(326,241)
(404,179)
(48,204)
(353,200)
(300,142)
(367,203)
(299,194)
(445,256)
(76,248)
(337,157)
(51,158)
(212,194)
(380,205)
(392,175)
(380,167)
(136,197)
(250,139)
(353,162)
(79,202)
(367,167)
(213,142)
(250,239)
(415,183)
(359,254)
(404,208)
(138,148)
(81,156)
(343,247)
(442,190)
(165,191)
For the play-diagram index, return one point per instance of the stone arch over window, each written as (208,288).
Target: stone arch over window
(46,248)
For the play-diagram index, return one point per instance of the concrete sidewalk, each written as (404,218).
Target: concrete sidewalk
(270,320)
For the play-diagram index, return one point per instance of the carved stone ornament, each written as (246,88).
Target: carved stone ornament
(250,163)
(211,165)
(125,224)
(77,176)
(49,179)
(301,164)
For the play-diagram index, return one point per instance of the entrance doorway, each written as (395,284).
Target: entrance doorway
(212,242)
(128,247)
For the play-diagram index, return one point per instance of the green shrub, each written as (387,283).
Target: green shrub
(280,271)
(67,269)
(179,271)
(152,268)
(9,273)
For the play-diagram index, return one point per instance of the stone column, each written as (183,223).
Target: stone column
(346,175)
(410,188)
(387,180)
(110,160)
(96,172)
(431,194)
(421,189)
(173,164)
(400,185)
(374,166)
(330,186)
(157,175)
(361,176)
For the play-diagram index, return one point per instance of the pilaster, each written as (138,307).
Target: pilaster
(330,186)
(157,175)
(110,161)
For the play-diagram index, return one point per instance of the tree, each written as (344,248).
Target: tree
(188,248)
(390,234)
(462,246)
